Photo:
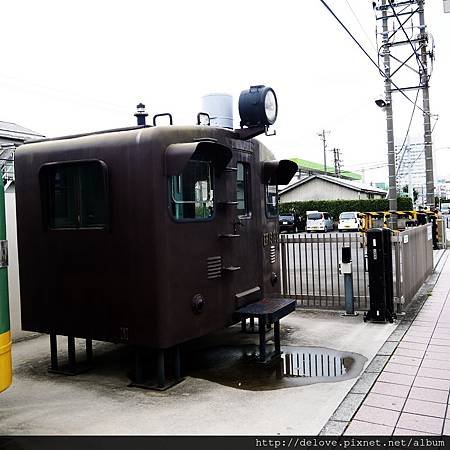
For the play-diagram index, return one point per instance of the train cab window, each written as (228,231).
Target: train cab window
(271,200)
(75,195)
(243,189)
(192,192)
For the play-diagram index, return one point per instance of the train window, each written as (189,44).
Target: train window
(192,194)
(243,189)
(271,200)
(75,195)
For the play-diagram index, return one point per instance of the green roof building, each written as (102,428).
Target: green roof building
(310,167)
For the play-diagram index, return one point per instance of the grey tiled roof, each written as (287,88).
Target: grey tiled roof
(14,131)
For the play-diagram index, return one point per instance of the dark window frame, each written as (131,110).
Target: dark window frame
(44,183)
(214,199)
(266,204)
(247,189)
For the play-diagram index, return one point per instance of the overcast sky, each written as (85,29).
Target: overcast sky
(70,67)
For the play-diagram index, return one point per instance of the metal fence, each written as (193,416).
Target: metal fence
(310,267)
(413,261)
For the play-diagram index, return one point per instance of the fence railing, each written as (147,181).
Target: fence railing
(310,267)
(413,260)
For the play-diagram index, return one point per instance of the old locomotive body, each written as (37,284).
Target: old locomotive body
(150,236)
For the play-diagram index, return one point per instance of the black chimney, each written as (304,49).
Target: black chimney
(140,114)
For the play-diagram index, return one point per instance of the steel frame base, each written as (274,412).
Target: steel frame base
(72,367)
(161,382)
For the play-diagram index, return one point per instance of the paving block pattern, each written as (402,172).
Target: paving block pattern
(411,394)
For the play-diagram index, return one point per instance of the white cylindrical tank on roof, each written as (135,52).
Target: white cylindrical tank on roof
(219,107)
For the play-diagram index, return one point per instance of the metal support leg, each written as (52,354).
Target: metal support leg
(161,372)
(89,356)
(252,324)
(177,362)
(349,303)
(53,352)
(262,339)
(276,337)
(71,368)
(287,360)
(138,367)
(71,353)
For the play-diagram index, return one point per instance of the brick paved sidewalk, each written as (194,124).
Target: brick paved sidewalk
(411,394)
(405,389)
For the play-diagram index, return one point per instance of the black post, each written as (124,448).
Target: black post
(346,270)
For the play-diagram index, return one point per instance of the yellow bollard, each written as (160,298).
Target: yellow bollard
(5,361)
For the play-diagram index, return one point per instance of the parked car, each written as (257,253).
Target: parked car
(349,221)
(318,221)
(291,223)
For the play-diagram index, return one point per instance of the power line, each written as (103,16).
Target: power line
(362,28)
(370,58)
(407,131)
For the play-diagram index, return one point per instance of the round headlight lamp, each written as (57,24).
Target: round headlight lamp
(258,106)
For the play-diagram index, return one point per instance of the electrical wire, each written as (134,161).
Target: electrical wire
(370,58)
(407,131)
(423,151)
(362,28)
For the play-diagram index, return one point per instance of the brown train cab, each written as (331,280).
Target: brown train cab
(150,236)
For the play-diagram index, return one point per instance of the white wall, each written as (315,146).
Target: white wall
(318,189)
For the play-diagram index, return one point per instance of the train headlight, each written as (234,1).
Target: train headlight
(258,106)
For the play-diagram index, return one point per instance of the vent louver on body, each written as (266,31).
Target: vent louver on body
(273,254)
(214,267)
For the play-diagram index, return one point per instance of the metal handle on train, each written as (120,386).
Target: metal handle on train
(162,115)
(199,118)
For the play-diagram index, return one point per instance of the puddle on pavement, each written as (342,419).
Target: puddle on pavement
(236,367)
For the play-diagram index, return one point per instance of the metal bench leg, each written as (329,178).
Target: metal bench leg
(262,339)
(276,337)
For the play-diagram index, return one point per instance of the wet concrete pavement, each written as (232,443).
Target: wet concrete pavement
(209,400)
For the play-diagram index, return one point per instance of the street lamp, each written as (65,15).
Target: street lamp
(381,103)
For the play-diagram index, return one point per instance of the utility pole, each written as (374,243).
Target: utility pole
(337,162)
(323,135)
(392,195)
(400,30)
(424,81)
